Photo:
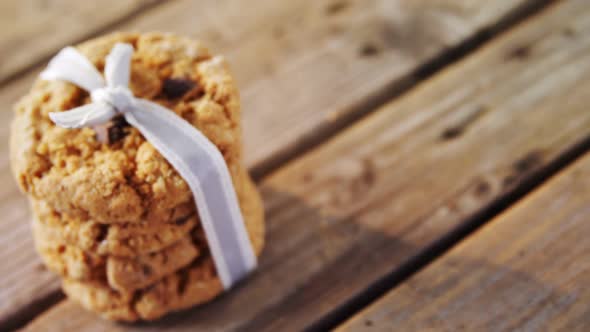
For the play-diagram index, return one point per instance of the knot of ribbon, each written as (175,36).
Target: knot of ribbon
(119,98)
(193,156)
(108,99)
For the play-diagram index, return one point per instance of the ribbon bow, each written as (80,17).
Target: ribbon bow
(193,156)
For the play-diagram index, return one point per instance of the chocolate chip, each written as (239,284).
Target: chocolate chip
(176,87)
(120,121)
(103,231)
(181,221)
(113,131)
(146,270)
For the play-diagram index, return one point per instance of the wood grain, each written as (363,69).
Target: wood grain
(304,65)
(31,30)
(370,199)
(301,66)
(527,270)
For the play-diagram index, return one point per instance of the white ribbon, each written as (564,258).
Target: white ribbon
(195,158)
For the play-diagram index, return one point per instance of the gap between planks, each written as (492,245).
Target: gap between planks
(443,245)
(369,104)
(520,272)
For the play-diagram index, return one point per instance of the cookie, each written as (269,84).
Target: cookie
(119,239)
(189,287)
(120,273)
(67,260)
(192,285)
(125,180)
(128,240)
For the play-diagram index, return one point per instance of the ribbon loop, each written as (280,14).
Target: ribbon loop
(193,156)
(118,65)
(71,66)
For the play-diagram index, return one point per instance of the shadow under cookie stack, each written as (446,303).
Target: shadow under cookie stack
(110,215)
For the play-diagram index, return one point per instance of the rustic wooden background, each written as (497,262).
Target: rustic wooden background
(423,162)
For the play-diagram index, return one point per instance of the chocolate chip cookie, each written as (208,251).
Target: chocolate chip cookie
(113,217)
(123,274)
(123,179)
(189,286)
(127,240)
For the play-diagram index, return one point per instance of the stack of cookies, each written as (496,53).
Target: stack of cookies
(110,215)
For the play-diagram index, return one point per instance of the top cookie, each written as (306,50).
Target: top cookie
(115,176)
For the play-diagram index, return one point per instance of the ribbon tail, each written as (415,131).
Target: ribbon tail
(83,116)
(69,65)
(202,166)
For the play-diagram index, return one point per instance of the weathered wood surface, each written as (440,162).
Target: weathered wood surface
(31,30)
(300,65)
(370,199)
(306,65)
(527,270)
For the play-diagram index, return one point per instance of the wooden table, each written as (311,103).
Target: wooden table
(423,163)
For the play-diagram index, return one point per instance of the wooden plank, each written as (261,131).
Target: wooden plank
(304,65)
(373,197)
(30,31)
(281,52)
(527,270)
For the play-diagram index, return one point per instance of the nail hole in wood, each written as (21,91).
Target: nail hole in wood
(519,53)
(336,7)
(368,50)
